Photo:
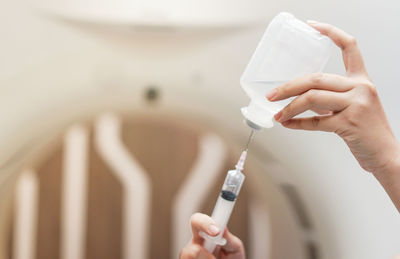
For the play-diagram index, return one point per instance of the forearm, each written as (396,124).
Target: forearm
(389,178)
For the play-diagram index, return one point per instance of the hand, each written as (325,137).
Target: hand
(348,105)
(194,250)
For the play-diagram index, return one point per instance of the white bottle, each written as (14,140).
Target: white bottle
(288,49)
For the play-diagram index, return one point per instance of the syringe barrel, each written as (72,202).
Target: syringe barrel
(224,206)
(232,185)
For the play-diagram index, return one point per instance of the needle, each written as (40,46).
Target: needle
(249,140)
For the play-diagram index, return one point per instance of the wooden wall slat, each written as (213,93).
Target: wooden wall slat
(167,152)
(11,230)
(48,231)
(104,221)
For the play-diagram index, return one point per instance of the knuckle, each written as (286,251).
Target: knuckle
(311,96)
(295,124)
(362,102)
(315,121)
(370,88)
(287,110)
(189,252)
(239,241)
(195,217)
(298,124)
(316,78)
(364,95)
(352,41)
(194,251)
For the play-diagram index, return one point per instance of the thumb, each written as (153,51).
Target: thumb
(204,254)
(233,243)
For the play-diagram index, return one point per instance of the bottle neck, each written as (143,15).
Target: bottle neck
(258,117)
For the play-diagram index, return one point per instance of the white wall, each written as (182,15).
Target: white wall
(48,67)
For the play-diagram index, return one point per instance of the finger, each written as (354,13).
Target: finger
(217,251)
(302,84)
(321,112)
(317,99)
(352,57)
(195,251)
(321,123)
(233,243)
(202,222)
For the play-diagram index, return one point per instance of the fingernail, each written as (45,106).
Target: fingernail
(213,230)
(285,123)
(271,94)
(278,116)
(312,22)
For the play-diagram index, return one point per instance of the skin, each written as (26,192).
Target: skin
(348,106)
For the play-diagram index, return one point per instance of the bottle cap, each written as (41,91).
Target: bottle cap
(257,117)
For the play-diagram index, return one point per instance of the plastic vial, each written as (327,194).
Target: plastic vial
(288,49)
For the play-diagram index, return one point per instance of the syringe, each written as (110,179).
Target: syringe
(226,201)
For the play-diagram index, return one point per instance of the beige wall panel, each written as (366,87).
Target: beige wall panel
(104,221)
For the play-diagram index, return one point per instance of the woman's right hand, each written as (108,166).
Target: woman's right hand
(194,249)
(351,106)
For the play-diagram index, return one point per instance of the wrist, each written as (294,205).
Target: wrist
(391,168)
(389,178)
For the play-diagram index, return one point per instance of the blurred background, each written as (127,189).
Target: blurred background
(119,119)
